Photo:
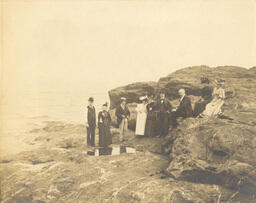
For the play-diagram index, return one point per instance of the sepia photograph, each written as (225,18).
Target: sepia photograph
(128,101)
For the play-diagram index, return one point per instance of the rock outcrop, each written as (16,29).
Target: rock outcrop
(198,81)
(132,92)
(214,151)
(202,160)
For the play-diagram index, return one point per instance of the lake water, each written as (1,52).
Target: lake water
(29,109)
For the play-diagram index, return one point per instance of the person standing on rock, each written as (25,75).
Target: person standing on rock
(151,117)
(184,109)
(90,123)
(122,114)
(141,116)
(104,122)
(163,108)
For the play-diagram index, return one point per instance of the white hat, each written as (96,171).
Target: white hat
(123,98)
(219,82)
(142,98)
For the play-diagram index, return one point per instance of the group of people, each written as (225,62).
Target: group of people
(154,116)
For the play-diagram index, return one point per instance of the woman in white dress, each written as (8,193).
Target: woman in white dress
(214,107)
(141,116)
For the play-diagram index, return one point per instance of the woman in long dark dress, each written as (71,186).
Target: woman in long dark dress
(104,121)
(151,118)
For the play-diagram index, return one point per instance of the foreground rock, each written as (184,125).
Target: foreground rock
(215,152)
(60,171)
(218,152)
(205,160)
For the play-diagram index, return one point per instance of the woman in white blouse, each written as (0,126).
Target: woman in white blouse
(141,116)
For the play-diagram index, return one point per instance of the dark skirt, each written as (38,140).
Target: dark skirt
(150,129)
(105,137)
(162,123)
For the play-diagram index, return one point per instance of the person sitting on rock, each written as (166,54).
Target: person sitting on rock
(218,97)
(163,108)
(122,114)
(206,97)
(184,109)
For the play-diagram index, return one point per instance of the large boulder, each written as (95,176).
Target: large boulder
(132,92)
(198,81)
(216,152)
(212,151)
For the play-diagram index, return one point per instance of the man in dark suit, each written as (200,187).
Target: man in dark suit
(184,109)
(90,122)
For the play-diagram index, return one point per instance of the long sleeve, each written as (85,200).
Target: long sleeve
(128,112)
(214,92)
(109,117)
(139,108)
(86,115)
(185,108)
(222,93)
(96,117)
(118,112)
(188,107)
(99,118)
(169,106)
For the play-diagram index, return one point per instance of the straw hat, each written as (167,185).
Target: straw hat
(143,98)
(219,81)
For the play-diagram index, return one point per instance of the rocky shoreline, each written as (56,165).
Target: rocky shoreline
(203,160)
(209,151)
(59,171)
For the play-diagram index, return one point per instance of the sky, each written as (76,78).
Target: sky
(98,45)
(56,53)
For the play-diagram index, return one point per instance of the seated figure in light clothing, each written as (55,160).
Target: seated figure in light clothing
(218,96)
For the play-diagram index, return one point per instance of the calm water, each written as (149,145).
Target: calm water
(48,106)
(29,109)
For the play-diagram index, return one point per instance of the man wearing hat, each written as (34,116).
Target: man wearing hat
(122,114)
(91,122)
(163,108)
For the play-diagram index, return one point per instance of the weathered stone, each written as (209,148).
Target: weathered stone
(208,160)
(132,92)
(214,152)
